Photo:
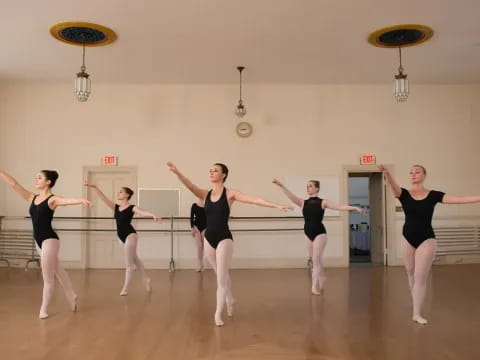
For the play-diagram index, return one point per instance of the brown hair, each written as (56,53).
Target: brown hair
(128,191)
(224,170)
(51,175)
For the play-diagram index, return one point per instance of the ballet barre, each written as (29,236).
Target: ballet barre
(171,230)
(171,266)
(19,244)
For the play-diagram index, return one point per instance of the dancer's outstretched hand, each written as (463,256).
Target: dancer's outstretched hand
(382,168)
(85,202)
(285,208)
(277,182)
(172,167)
(87,184)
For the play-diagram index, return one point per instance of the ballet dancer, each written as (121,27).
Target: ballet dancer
(123,213)
(42,207)
(418,243)
(198,224)
(313,210)
(218,242)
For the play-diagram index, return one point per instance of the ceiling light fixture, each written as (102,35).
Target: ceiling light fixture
(240,110)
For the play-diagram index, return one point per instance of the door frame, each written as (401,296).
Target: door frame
(389,213)
(87,170)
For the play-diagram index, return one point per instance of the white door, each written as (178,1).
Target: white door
(377,219)
(105,251)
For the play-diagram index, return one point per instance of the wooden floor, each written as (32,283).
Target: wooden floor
(364,314)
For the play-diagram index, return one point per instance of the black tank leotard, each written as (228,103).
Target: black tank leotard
(418,216)
(197,217)
(217,214)
(42,217)
(313,214)
(124,219)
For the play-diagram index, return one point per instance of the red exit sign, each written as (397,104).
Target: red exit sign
(368,160)
(110,160)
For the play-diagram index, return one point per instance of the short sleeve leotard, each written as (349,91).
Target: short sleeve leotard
(418,216)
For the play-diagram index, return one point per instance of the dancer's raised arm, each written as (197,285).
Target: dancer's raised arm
(102,196)
(241,197)
(60,201)
(327,204)
(19,189)
(141,212)
(295,199)
(454,199)
(196,190)
(396,190)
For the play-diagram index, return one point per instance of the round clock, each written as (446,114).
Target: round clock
(244,129)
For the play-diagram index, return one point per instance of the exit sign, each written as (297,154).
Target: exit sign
(110,160)
(368,160)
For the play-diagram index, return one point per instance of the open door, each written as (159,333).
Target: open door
(377,219)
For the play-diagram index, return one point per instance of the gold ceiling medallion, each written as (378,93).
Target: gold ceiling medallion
(400,36)
(83,33)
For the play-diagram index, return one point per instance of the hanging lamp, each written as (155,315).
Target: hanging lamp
(400,36)
(240,110)
(83,34)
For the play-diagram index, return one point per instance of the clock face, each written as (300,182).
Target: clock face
(244,129)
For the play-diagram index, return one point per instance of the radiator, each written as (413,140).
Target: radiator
(459,240)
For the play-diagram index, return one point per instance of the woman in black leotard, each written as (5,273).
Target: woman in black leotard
(419,245)
(123,213)
(42,207)
(218,238)
(198,224)
(313,210)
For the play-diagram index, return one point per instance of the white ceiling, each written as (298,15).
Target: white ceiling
(280,41)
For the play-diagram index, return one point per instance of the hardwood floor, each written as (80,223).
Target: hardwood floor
(364,314)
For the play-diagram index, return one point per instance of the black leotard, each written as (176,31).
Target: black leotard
(197,217)
(217,214)
(418,216)
(124,219)
(42,217)
(313,213)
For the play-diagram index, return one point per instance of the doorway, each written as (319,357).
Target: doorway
(366,238)
(359,224)
(102,247)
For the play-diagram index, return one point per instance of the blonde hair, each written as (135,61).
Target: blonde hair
(421,167)
(315,183)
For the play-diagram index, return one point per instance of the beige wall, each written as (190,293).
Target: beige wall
(298,129)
